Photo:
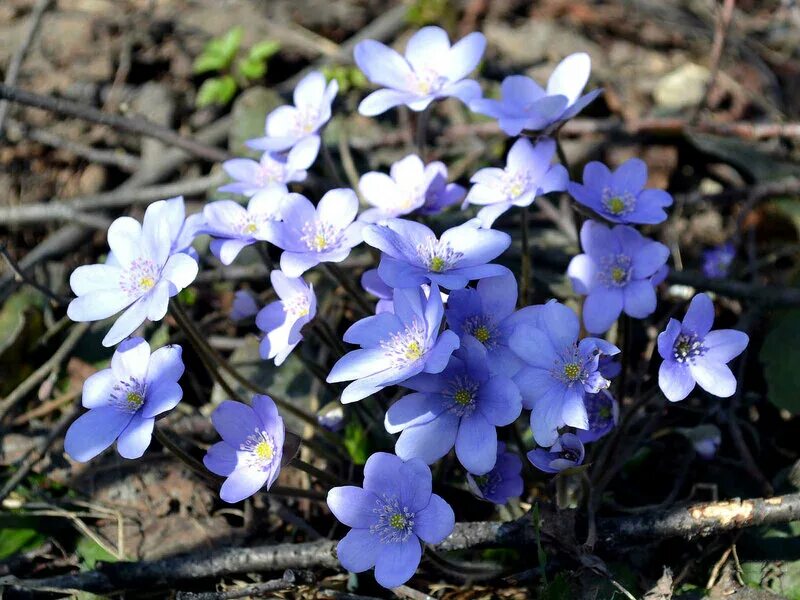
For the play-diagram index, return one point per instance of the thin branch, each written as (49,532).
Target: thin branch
(720,35)
(23,278)
(137,125)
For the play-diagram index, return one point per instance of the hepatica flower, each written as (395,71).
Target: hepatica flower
(603,412)
(125,399)
(144,274)
(559,371)
(462,406)
(390,517)
(373,284)
(244,306)
(503,482)
(410,186)
(412,255)
(249,455)
(235,227)
(251,176)
(717,261)
(283,320)
(287,125)
(395,346)
(524,105)
(487,314)
(565,453)
(620,196)
(431,69)
(693,353)
(529,172)
(309,236)
(614,274)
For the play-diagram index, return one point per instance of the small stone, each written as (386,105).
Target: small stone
(682,88)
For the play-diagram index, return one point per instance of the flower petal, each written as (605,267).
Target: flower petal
(675,380)
(434,522)
(713,377)
(94,431)
(358,549)
(428,441)
(242,483)
(135,438)
(396,562)
(476,444)
(353,506)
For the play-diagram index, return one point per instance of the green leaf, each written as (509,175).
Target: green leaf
(91,552)
(208,62)
(217,90)
(781,355)
(252,68)
(768,558)
(13,541)
(219,53)
(263,50)
(356,442)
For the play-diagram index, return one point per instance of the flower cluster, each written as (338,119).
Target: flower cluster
(448,328)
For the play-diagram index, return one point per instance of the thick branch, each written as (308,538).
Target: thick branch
(688,521)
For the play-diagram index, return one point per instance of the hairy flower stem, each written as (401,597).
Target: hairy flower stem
(422,130)
(352,290)
(525,275)
(213,358)
(316,473)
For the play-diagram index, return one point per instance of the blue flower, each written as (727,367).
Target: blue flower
(503,482)
(148,265)
(249,455)
(244,306)
(693,353)
(524,105)
(430,70)
(462,406)
(603,411)
(717,261)
(410,186)
(251,176)
(373,284)
(287,126)
(234,227)
(395,346)
(125,399)
(412,255)
(620,196)
(559,371)
(283,320)
(615,274)
(487,314)
(390,517)
(309,236)
(529,173)
(565,453)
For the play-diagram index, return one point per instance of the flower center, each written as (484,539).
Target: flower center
(395,522)
(271,171)
(615,270)
(482,328)
(570,367)
(437,256)
(139,278)
(128,396)
(572,371)
(618,204)
(251,228)
(482,334)
(297,306)
(462,392)
(516,184)
(406,347)
(307,120)
(427,82)
(319,236)
(687,347)
(258,449)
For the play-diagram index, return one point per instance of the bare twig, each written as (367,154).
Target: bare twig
(720,34)
(22,277)
(15,65)
(136,125)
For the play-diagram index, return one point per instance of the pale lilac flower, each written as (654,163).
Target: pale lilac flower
(462,406)
(249,455)
(693,353)
(144,273)
(235,227)
(565,453)
(524,105)
(331,417)
(614,274)
(559,371)
(373,284)
(487,313)
(603,411)
(395,346)
(282,320)
(182,229)
(410,186)
(620,196)
(717,261)
(529,173)
(125,399)
(251,176)
(705,439)
(244,306)
(412,255)
(287,125)
(503,482)
(430,70)
(309,236)
(390,517)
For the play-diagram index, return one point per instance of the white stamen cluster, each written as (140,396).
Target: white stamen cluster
(319,236)
(407,346)
(483,329)
(259,449)
(688,346)
(297,305)
(616,204)
(461,393)
(437,256)
(129,395)
(139,278)
(615,270)
(395,522)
